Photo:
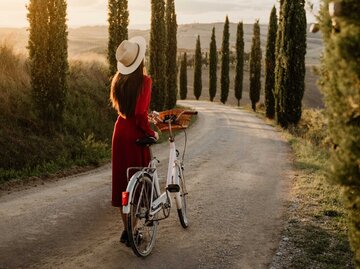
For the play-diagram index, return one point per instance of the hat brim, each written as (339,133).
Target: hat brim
(126,70)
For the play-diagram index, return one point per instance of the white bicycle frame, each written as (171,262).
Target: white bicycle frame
(174,168)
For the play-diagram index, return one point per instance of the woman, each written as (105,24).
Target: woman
(130,96)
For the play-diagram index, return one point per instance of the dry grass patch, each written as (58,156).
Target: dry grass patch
(315,233)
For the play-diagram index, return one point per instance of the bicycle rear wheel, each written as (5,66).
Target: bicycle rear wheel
(183,193)
(141,229)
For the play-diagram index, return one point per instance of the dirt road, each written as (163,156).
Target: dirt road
(237,169)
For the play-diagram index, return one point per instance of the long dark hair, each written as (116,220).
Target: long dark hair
(125,89)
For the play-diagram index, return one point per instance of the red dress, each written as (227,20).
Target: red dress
(125,152)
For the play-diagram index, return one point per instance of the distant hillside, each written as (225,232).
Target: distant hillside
(92,40)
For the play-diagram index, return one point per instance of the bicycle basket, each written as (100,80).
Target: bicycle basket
(181,124)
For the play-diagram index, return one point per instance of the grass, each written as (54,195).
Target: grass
(88,121)
(317,225)
(315,234)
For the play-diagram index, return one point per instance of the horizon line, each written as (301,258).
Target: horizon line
(142,27)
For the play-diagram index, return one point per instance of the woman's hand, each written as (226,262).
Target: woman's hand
(156,135)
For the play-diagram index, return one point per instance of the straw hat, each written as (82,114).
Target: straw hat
(130,54)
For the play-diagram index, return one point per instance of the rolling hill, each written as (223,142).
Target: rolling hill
(90,43)
(93,39)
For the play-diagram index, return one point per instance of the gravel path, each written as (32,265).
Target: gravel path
(236,168)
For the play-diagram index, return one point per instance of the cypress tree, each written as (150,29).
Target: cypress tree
(239,62)
(270,66)
(225,63)
(183,78)
(255,67)
(197,70)
(340,83)
(58,58)
(290,62)
(38,47)
(118,18)
(48,60)
(278,70)
(171,52)
(157,67)
(213,67)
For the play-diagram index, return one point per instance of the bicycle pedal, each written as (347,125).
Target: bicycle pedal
(173,188)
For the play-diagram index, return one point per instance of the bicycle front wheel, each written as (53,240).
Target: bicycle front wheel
(183,193)
(141,229)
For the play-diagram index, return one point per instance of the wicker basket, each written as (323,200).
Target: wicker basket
(181,124)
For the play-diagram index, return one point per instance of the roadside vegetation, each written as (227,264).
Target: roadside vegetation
(86,135)
(340,82)
(84,142)
(316,228)
(316,233)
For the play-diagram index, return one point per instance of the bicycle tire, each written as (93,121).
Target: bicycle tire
(182,211)
(141,230)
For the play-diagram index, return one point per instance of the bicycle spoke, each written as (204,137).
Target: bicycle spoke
(142,236)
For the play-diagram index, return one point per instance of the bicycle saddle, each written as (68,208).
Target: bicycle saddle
(146,141)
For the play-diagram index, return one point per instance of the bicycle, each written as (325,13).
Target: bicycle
(142,201)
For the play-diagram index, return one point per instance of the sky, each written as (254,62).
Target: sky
(94,12)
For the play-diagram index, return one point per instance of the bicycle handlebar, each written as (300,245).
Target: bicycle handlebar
(190,112)
(186,112)
(171,118)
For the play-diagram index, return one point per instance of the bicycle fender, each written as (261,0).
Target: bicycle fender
(130,189)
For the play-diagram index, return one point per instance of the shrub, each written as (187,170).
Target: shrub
(313,127)
(24,149)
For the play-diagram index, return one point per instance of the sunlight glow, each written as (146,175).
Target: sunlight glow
(94,12)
